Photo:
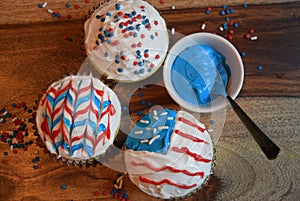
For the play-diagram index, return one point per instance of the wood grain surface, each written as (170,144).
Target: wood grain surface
(37,49)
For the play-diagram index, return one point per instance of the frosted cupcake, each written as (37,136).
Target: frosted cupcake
(78,118)
(169,154)
(126,41)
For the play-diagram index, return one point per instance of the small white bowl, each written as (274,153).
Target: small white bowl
(233,59)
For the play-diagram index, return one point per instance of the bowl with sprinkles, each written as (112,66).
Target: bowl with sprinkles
(126,41)
(201,69)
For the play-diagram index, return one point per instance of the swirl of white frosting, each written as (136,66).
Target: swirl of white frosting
(78,117)
(183,169)
(126,40)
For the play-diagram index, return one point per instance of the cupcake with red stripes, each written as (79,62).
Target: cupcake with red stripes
(78,118)
(169,154)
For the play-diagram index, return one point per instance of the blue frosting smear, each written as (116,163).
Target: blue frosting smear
(199,74)
(159,125)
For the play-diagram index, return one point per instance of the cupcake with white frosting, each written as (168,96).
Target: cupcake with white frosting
(126,40)
(169,154)
(78,118)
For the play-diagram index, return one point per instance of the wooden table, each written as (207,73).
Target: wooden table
(36,49)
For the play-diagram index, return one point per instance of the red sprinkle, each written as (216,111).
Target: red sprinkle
(139,44)
(123,57)
(76,6)
(139,16)
(209,9)
(96,193)
(69,17)
(135,63)
(142,7)
(229,37)
(251,30)
(146,55)
(151,65)
(156,34)
(156,22)
(105,193)
(142,36)
(133,45)
(125,35)
(247,36)
(162,1)
(87,1)
(120,13)
(110,30)
(15,151)
(231,31)
(4,161)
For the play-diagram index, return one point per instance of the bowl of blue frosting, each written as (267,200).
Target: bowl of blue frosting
(200,70)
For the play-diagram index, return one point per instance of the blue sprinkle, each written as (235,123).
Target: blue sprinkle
(53,15)
(138,52)
(124,108)
(152,37)
(63,186)
(149,70)
(222,12)
(146,50)
(106,54)
(245,5)
(103,19)
(120,70)
(3,110)
(139,113)
(140,94)
(228,11)
(35,167)
(40,5)
(243,54)
(98,16)
(149,104)
(212,122)
(135,35)
(108,41)
(129,94)
(106,33)
(143,102)
(207,12)
(138,56)
(231,10)
(101,29)
(25,107)
(225,26)
(108,14)
(118,6)
(144,16)
(5,153)
(259,67)
(58,15)
(116,16)
(140,63)
(121,26)
(235,25)
(68,5)
(224,6)
(136,72)
(227,19)
(122,53)
(133,13)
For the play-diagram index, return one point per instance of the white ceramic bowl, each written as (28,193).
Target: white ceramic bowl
(233,59)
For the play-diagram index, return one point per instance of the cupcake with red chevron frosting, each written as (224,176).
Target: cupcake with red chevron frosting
(126,40)
(78,118)
(169,154)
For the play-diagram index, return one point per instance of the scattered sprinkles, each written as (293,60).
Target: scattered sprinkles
(259,67)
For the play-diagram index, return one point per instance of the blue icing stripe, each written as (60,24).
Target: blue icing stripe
(160,126)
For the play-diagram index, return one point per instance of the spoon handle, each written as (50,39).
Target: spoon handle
(270,149)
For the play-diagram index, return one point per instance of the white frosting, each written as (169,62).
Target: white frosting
(174,159)
(122,44)
(72,119)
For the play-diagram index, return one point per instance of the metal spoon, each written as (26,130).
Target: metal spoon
(270,149)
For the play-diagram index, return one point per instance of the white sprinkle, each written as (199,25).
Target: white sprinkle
(116,186)
(163,127)
(154,138)
(173,7)
(138,132)
(45,4)
(148,129)
(144,121)
(172,31)
(143,141)
(50,11)
(155,117)
(210,130)
(11,147)
(14,119)
(221,28)
(155,112)
(170,118)
(163,113)
(120,178)
(1,119)
(154,130)
(203,26)
(4,113)
(121,184)
(112,23)
(254,38)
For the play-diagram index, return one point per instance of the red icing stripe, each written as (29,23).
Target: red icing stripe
(188,122)
(201,174)
(190,137)
(167,181)
(186,150)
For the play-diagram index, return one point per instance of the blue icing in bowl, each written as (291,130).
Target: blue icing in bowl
(199,74)
(153,132)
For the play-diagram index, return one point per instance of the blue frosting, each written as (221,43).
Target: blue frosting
(199,74)
(159,145)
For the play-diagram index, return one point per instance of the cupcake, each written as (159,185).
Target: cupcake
(78,118)
(126,40)
(169,154)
